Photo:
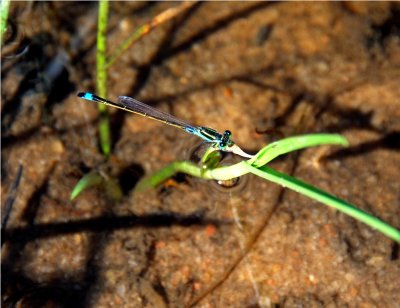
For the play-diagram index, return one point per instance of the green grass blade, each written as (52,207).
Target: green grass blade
(267,154)
(5,6)
(211,158)
(101,53)
(325,198)
(105,134)
(287,145)
(88,180)
(167,172)
(108,184)
(264,156)
(101,76)
(275,149)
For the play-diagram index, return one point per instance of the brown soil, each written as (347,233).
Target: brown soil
(262,70)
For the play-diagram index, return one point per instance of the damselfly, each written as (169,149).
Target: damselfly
(221,142)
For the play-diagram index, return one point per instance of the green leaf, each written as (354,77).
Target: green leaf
(109,185)
(287,145)
(256,166)
(211,158)
(88,180)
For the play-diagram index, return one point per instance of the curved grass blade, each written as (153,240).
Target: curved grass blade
(92,179)
(88,180)
(267,154)
(325,198)
(287,145)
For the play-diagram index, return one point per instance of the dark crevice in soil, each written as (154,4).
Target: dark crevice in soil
(129,177)
(395,252)
(29,293)
(390,27)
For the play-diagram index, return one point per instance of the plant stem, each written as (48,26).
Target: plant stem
(101,77)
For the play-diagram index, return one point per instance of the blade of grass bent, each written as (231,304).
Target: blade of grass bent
(275,149)
(287,145)
(265,155)
(325,198)
(88,180)
(278,148)
(275,177)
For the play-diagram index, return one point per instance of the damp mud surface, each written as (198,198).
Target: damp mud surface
(263,70)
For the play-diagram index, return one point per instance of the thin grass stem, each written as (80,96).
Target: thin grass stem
(101,76)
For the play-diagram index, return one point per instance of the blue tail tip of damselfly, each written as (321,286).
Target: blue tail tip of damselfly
(87,95)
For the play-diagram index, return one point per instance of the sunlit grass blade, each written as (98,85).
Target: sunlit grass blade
(168,171)
(101,57)
(4,7)
(325,198)
(264,156)
(105,134)
(211,158)
(88,180)
(94,179)
(287,145)
(255,166)
(101,76)
(275,149)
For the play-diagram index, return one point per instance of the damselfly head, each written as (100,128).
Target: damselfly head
(226,140)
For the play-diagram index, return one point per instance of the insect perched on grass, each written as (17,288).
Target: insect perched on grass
(222,142)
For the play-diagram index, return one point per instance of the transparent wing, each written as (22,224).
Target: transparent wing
(138,107)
